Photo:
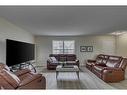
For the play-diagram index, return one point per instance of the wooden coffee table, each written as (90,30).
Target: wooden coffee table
(67,68)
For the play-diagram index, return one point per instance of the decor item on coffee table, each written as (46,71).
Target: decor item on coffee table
(56,59)
(107,67)
(67,68)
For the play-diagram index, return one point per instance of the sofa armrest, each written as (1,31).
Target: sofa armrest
(113,74)
(111,70)
(22,71)
(91,61)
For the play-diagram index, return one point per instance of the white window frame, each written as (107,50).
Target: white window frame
(63,46)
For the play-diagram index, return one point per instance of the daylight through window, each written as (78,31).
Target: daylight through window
(63,47)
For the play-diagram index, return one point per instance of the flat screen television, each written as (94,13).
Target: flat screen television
(19,52)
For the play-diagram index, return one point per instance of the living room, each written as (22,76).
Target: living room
(85,31)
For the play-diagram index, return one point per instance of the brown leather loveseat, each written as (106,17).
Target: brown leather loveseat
(55,59)
(22,79)
(107,67)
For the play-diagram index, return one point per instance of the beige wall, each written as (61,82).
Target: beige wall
(11,31)
(122,45)
(101,44)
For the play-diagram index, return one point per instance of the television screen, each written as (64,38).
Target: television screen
(19,52)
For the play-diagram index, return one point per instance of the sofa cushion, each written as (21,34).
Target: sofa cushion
(28,78)
(10,78)
(62,58)
(99,68)
(98,60)
(117,58)
(113,61)
(71,57)
(21,72)
(71,62)
(102,59)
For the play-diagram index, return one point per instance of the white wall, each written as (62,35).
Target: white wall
(122,45)
(101,44)
(11,31)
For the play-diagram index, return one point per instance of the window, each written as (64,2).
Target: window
(63,47)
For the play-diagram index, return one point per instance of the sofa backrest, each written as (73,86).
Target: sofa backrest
(101,58)
(114,61)
(71,57)
(105,59)
(64,57)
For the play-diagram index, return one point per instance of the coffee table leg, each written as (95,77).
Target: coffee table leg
(77,74)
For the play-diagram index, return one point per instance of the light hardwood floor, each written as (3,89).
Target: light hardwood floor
(69,80)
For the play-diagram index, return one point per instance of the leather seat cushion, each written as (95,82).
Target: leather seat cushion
(98,68)
(29,77)
(11,78)
(21,72)
(70,62)
(112,63)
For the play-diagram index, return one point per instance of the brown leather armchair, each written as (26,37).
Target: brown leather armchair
(22,79)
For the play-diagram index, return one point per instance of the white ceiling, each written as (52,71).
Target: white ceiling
(67,20)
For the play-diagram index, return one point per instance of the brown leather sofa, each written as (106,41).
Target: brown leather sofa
(21,79)
(107,67)
(55,59)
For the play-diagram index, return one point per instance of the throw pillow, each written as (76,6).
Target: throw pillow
(54,60)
